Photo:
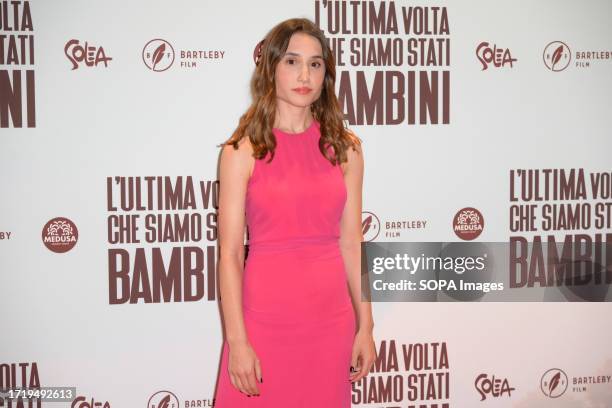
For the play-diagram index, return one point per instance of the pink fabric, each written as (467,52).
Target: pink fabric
(297,308)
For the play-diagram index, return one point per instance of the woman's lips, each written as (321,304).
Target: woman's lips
(302,91)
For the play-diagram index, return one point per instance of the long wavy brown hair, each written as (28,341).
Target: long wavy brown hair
(257,122)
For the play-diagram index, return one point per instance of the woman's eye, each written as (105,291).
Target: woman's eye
(292,61)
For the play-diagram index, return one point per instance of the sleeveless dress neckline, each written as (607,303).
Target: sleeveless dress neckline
(308,129)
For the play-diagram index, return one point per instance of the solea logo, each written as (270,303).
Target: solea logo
(158,55)
(82,402)
(499,57)
(84,54)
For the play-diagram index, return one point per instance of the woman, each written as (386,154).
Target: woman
(293,174)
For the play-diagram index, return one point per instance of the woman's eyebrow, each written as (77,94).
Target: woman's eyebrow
(298,55)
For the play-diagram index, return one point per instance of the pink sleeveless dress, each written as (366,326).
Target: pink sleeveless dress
(297,306)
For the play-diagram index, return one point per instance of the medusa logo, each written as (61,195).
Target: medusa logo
(60,235)
(257,52)
(468,223)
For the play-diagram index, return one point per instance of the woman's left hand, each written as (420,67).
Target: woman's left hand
(363,356)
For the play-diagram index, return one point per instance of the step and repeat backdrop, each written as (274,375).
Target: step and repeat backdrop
(480,121)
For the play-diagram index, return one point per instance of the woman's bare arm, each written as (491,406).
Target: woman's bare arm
(235,170)
(364,351)
(351,235)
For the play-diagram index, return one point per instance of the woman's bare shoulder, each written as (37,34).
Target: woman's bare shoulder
(238,161)
(354,158)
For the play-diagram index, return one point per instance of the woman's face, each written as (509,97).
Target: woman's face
(300,72)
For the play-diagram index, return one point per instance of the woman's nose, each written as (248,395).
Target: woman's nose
(304,72)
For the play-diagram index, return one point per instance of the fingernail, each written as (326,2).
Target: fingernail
(261,380)
(249,396)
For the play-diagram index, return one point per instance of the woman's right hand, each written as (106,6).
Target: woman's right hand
(244,368)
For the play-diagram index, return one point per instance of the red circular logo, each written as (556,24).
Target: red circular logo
(60,235)
(468,223)
(257,52)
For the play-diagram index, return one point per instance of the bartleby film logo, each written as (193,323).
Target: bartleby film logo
(370,226)
(557,56)
(553,383)
(158,55)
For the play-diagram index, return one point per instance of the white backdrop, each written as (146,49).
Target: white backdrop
(120,119)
